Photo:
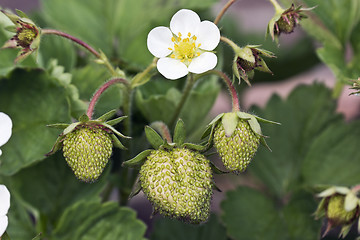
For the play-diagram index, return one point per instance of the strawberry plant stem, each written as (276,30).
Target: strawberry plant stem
(83,44)
(223,10)
(101,90)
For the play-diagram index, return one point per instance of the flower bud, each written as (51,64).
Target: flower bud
(247,60)
(285,21)
(27,35)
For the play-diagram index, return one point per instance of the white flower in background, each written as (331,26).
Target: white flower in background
(4,207)
(186,46)
(5,129)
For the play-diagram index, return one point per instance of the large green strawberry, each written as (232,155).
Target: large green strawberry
(175,177)
(178,183)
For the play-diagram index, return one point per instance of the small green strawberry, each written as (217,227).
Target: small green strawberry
(340,205)
(236,137)
(87,145)
(175,177)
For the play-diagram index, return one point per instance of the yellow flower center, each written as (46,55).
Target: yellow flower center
(185,49)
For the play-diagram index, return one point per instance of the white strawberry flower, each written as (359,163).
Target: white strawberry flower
(184,47)
(4,207)
(5,129)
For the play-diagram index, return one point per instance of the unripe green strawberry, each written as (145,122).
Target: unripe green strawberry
(178,184)
(237,150)
(87,150)
(336,212)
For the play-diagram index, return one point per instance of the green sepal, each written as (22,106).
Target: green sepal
(266,121)
(21,14)
(217,118)
(57,146)
(207,131)
(117,142)
(107,115)
(345,230)
(211,126)
(246,54)
(116,120)
(138,160)
(179,133)
(144,78)
(153,138)
(216,170)
(58,125)
(135,189)
(84,118)
(263,142)
(11,28)
(193,146)
(229,122)
(70,128)
(114,130)
(320,211)
(254,124)
(14,18)
(263,67)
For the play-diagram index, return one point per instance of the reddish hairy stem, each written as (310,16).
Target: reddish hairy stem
(225,8)
(100,91)
(231,88)
(74,39)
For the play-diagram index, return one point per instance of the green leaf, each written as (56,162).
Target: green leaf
(248,214)
(304,116)
(299,218)
(33,100)
(59,187)
(334,158)
(179,133)
(153,137)
(21,225)
(166,229)
(158,99)
(105,221)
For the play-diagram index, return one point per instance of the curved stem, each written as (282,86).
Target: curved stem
(189,85)
(225,8)
(101,90)
(83,44)
(231,88)
(230,43)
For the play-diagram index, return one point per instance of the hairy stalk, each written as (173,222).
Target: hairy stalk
(222,12)
(229,42)
(83,44)
(231,88)
(101,90)
(190,81)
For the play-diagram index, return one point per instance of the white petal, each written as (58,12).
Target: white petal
(185,21)
(203,63)
(4,200)
(208,35)
(159,41)
(5,128)
(171,68)
(351,202)
(3,224)
(327,192)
